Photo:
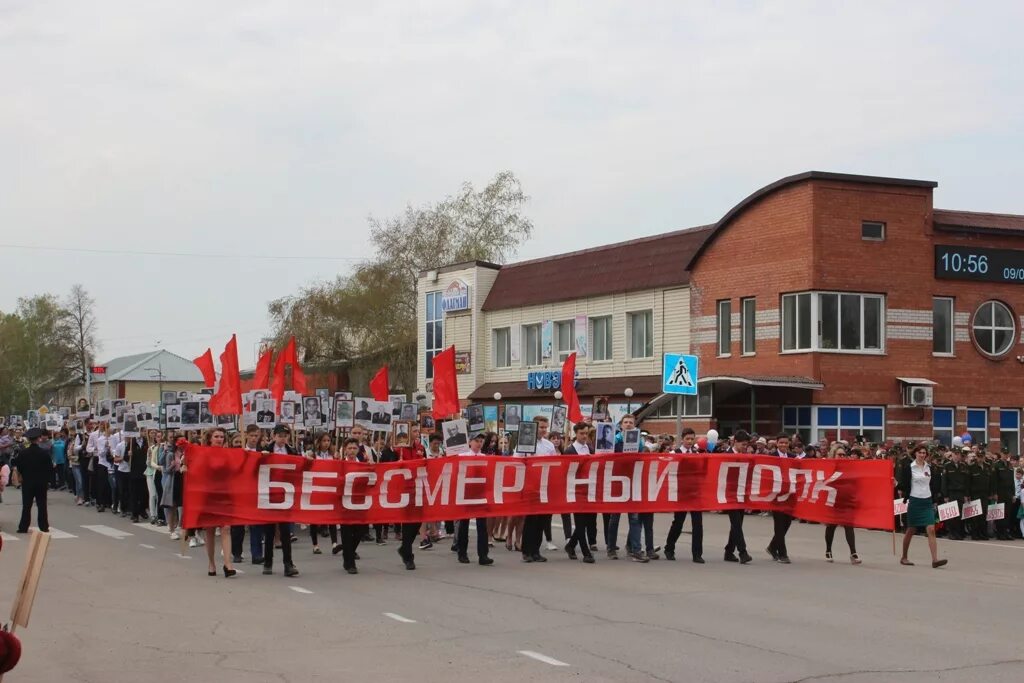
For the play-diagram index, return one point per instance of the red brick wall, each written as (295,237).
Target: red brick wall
(807,236)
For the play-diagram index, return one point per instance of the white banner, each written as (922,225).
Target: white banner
(996,511)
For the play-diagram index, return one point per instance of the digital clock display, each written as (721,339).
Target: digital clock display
(979,263)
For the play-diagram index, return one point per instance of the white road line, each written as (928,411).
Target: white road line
(399,617)
(300,589)
(147,547)
(1003,545)
(8,537)
(151,527)
(183,557)
(57,533)
(107,531)
(541,658)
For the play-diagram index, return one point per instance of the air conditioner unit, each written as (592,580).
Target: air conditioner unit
(917,396)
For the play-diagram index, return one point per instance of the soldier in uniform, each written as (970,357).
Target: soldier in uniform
(955,480)
(1003,488)
(981,488)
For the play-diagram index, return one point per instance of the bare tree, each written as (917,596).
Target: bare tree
(81,321)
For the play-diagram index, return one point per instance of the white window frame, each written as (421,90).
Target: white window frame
(432,302)
(536,347)
(873,239)
(498,359)
(723,328)
(950,331)
(816,322)
(691,404)
(748,325)
(556,332)
(631,318)
(1012,329)
(818,430)
(608,340)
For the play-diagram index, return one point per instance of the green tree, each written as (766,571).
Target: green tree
(372,311)
(37,353)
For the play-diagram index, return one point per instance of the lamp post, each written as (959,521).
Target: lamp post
(629,396)
(497,395)
(559,395)
(159,370)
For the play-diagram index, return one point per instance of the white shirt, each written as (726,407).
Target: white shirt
(102,451)
(579,448)
(124,465)
(545,447)
(470,453)
(920,480)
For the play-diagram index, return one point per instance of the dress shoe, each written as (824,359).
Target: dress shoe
(784,559)
(771,551)
(352,570)
(539,558)
(486,561)
(527,558)
(588,559)
(268,570)
(745,558)
(409,564)
(464,559)
(290,570)
(570,551)
(670,555)
(939,563)
(228,573)
(729,557)
(698,559)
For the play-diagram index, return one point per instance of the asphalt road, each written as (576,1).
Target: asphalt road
(127,607)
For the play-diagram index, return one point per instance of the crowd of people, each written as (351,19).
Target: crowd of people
(143,478)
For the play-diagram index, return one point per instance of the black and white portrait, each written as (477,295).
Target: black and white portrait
(288,412)
(312,414)
(396,401)
(604,441)
(559,417)
(631,441)
(169,398)
(475,417)
(380,419)
(205,416)
(265,414)
(527,437)
(173,415)
(344,410)
(409,411)
(189,414)
(513,416)
(456,436)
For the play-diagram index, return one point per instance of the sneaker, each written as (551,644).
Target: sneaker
(593,546)
(200,539)
(175,536)
(670,554)
(317,551)
(613,555)
(486,561)
(588,559)
(425,544)
(730,557)
(551,546)
(290,571)
(192,543)
(268,570)
(639,557)
(653,556)
(745,558)
(382,542)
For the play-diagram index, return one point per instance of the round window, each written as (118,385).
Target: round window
(993,328)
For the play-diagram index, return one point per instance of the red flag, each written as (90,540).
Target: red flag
(569,388)
(261,379)
(288,357)
(446,384)
(380,384)
(228,399)
(205,365)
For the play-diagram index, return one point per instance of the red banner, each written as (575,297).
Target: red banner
(226,486)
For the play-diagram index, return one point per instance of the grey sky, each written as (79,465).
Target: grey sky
(276,128)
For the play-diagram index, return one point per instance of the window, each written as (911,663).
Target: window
(846,422)
(601,347)
(748,319)
(531,340)
(993,328)
(942,425)
(641,334)
(565,338)
(796,322)
(434,330)
(872,230)
(977,424)
(1009,431)
(693,406)
(797,420)
(845,322)
(724,323)
(502,339)
(942,326)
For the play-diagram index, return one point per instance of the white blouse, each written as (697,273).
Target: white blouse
(920,480)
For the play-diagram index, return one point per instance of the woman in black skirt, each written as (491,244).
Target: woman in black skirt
(915,483)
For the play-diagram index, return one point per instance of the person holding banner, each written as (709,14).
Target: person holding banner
(462,529)
(839,451)
(279,446)
(580,446)
(915,482)
(217,438)
(689,438)
(737,542)
(782,521)
(351,534)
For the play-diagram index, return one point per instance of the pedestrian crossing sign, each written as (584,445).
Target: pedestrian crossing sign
(679,374)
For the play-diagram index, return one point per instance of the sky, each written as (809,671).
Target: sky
(256,137)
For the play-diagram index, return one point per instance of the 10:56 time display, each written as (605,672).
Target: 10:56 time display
(979,263)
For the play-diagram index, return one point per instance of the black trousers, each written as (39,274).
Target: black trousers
(462,537)
(782,524)
(956,525)
(674,531)
(158,481)
(138,494)
(533,533)
(123,491)
(583,521)
(237,540)
(736,540)
(30,493)
(830,534)
(567,525)
(351,535)
(409,531)
(314,533)
(86,493)
(268,544)
(101,487)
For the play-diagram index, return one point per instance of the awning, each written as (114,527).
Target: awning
(642,385)
(786,381)
(918,381)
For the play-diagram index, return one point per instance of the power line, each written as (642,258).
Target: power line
(218,255)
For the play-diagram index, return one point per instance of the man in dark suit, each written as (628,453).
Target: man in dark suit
(777,547)
(582,519)
(137,450)
(280,446)
(381,417)
(737,542)
(679,518)
(35,467)
(364,411)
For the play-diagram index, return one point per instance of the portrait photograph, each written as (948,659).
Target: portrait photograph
(344,413)
(119,414)
(265,414)
(118,403)
(631,441)
(604,441)
(559,417)
(205,416)
(363,411)
(189,415)
(475,417)
(131,423)
(343,396)
(52,422)
(456,436)
(600,410)
(226,421)
(513,416)
(65,412)
(527,437)
(323,394)
(312,414)
(426,422)
(409,411)
(183,396)
(401,434)
(380,419)
(82,408)
(173,415)
(287,412)
(169,398)
(104,413)
(396,401)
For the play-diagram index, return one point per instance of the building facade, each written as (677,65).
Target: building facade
(828,304)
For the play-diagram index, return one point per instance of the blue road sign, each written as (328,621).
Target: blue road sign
(679,374)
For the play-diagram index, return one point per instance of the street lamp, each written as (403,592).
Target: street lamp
(497,395)
(558,395)
(629,395)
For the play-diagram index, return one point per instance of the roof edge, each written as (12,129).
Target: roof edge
(462,265)
(793,180)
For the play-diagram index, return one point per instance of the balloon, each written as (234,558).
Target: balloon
(711,444)
(966,437)
(702,443)
(712,435)
(957,442)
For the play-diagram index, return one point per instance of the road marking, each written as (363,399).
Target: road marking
(541,658)
(57,533)
(152,527)
(147,547)
(399,617)
(8,537)
(184,557)
(107,531)
(300,589)
(1003,545)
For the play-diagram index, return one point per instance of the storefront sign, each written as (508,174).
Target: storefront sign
(463,362)
(544,379)
(455,297)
